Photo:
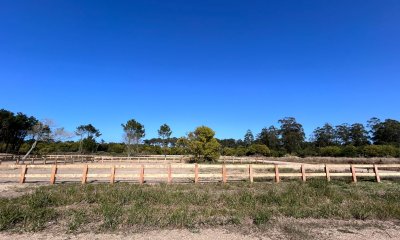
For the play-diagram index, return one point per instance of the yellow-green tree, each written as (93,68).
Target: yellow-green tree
(202,144)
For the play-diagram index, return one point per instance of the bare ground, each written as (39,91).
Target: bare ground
(13,190)
(283,228)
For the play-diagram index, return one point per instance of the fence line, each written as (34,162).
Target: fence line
(196,173)
(55,159)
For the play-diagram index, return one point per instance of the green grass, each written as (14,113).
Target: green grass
(104,207)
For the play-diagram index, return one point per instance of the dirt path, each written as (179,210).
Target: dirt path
(280,229)
(13,190)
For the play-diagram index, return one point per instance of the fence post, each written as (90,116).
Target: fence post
(169,174)
(53,174)
(277,179)
(112,177)
(23,172)
(353,173)
(224,173)
(328,175)
(303,173)
(141,177)
(251,173)
(196,173)
(84,174)
(377,177)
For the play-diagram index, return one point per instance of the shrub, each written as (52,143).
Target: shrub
(278,153)
(380,151)
(349,151)
(228,151)
(308,152)
(258,149)
(240,151)
(116,148)
(331,151)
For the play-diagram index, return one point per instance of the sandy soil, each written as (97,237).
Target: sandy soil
(278,229)
(13,190)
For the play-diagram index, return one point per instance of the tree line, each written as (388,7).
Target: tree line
(24,134)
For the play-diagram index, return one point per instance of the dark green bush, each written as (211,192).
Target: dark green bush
(380,151)
(258,149)
(331,151)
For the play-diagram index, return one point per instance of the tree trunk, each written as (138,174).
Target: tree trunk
(80,146)
(129,147)
(165,150)
(30,150)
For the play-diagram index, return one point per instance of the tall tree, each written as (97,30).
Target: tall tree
(358,135)
(324,136)
(248,138)
(39,132)
(88,134)
(270,137)
(292,134)
(342,134)
(45,131)
(14,129)
(387,132)
(134,132)
(230,142)
(373,124)
(165,133)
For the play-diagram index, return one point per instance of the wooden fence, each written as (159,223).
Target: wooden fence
(141,173)
(56,159)
(72,158)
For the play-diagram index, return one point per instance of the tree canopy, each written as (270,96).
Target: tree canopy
(292,134)
(203,145)
(134,132)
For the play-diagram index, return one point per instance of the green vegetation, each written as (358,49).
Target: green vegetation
(134,132)
(202,144)
(165,133)
(87,134)
(126,206)
(375,139)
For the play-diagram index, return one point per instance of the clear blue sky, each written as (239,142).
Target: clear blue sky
(230,65)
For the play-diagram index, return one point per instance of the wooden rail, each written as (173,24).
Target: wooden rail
(170,173)
(63,159)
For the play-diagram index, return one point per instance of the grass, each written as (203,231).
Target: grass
(105,207)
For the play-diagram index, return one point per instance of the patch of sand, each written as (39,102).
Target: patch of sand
(283,228)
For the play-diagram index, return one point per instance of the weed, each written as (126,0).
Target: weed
(77,219)
(262,217)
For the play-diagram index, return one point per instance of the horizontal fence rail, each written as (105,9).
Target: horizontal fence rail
(184,173)
(60,159)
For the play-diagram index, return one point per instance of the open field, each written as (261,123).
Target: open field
(294,210)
